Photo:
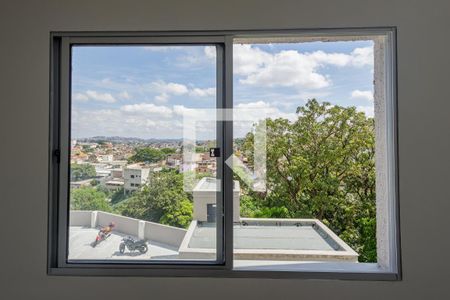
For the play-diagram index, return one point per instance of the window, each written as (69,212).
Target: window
(302,182)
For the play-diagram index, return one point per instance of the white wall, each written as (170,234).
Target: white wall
(424,144)
(156,232)
(203,198)
(80,218)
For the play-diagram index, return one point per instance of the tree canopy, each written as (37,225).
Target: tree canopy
(88,198)
(147,154)
(322,165)
(168,151)
(81,172)
(162,200)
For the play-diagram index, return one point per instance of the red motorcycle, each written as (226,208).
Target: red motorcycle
(103,234)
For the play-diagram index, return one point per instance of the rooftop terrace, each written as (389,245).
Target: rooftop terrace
(263,240)
(210,184)
(80,247)
(304,237)
(271,239)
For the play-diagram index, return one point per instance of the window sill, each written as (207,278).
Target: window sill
(246,269)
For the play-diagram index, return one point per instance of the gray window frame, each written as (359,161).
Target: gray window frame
(59,141)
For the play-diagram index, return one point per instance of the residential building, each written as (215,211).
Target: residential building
(105,158)
(81,183)
(114,184)
(135,176)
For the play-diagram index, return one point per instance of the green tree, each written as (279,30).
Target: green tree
(87,149)
(163,200)
(81,172)
(180,215)
(272,212)
(88,198)
(248,206)
(168,151)
(117,196)
(147,154)
(322,165)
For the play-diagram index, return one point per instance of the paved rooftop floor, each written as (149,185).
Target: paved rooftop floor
(265,237)
(81,238)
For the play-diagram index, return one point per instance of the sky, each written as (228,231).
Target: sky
(144,91)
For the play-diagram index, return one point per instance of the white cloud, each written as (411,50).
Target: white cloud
(102,97)
(292,68)
(147,108)
(248,60)
(167,90)
(288,68)
(362,57)
(124,95)
(336,59)
(198,92)
(162,90)
(210,52)
(142,120)
(359,57)
(149,120)
(170,88)
(365,95)
(260,109)
(368,110)
(80,97)
(192,113)
(95,96)
(162,98)
(245,115)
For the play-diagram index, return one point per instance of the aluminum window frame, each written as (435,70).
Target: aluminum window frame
(223,267)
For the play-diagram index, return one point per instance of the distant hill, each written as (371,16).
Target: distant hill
(136,140)
(127,140)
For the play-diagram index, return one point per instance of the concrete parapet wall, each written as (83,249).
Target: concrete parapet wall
(80,218)
(160,233)
(123,224)
(165,234)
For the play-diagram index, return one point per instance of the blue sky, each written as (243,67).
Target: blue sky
(143,91)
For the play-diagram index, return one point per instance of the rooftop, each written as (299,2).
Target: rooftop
(210,184)
(115,182)
(304,237)
(80,247)
(262,240)
(136,166)
(271,239)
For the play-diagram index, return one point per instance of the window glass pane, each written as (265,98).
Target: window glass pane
(142,181)
(304,145)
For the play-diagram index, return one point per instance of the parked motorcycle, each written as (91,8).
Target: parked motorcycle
(133,245)
(101,236)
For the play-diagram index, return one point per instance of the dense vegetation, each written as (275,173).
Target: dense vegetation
(81,172)
(321,165)
(163,200)
(89,198)
(148,155)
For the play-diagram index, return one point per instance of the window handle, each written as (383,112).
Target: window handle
(214,152)
(57,155)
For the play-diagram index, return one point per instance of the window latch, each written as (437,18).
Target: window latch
(57,155)
(214,152)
